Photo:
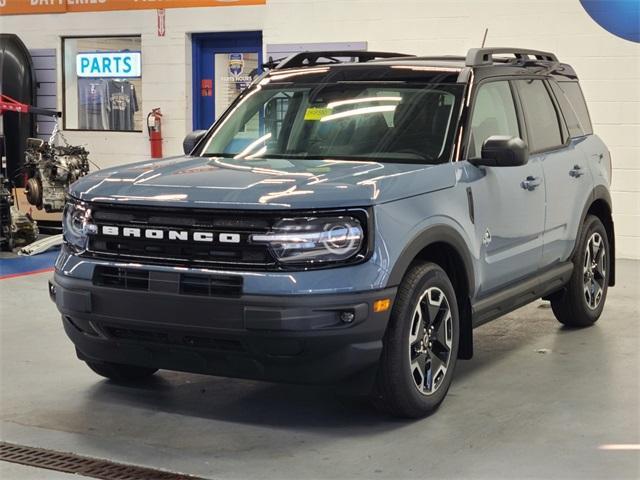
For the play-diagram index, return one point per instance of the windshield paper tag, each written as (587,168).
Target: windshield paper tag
(315,113)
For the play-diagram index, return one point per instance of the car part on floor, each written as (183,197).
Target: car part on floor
(6,201)
(41,246)
(24,229)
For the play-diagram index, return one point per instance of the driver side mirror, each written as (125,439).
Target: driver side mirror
(191,140)
(502,151)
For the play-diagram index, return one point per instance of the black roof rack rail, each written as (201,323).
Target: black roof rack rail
(441,58)
(307,59)
(484,56)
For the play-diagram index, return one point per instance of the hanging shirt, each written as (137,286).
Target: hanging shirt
(122,104)
(92,104)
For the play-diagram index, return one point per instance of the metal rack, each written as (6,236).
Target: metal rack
(484,56)
(307,59)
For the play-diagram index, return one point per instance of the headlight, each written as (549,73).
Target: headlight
(314,239)
(77,224)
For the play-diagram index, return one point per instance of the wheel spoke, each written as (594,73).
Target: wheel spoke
(418,371)
(417,326)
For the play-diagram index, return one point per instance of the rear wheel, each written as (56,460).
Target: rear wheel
(420,346)
(581,303)
(119,372)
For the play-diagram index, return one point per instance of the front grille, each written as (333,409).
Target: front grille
(175,338)
(190,253)
(209,285)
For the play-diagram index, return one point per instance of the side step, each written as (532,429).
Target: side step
(520,294)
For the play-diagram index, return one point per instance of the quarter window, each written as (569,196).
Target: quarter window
(543,124)
(493,114)
(574,93)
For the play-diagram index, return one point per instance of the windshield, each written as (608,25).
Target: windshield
(343,120)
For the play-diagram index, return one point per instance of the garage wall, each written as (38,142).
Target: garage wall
(609,67)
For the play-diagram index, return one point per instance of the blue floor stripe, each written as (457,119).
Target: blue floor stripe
(11,266)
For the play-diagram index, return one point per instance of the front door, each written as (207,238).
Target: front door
(224,64)
(509,201)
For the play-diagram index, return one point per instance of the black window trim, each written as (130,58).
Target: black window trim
(64,81)
(471,108)
(564,131)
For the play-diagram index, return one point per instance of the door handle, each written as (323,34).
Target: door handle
(576,171)
(531,183)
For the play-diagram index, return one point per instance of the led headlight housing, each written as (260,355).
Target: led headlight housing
(316,240)
(77,225)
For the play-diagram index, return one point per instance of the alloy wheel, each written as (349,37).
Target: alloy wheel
(594,271)
(430,340)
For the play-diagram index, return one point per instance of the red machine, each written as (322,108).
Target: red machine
(154,125)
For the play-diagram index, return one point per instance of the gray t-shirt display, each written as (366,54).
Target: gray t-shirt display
(106,104)
(123,104)
(92,104)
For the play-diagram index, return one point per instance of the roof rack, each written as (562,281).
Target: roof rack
(306,59)
(484,56)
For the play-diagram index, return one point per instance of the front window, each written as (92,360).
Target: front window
(351,120)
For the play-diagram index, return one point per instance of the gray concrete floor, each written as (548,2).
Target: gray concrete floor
(537,401)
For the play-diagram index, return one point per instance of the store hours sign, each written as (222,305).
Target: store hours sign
(108,65)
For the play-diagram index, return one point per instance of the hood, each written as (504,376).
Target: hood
(273,183)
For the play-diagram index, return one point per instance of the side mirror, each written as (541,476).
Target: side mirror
(191,140)
(503,151)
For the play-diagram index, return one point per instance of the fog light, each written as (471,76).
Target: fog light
(381,305)
(347,317)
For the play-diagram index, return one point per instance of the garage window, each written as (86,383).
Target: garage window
(102,83)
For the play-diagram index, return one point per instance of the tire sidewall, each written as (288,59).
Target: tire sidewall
(397,341)
(592,225)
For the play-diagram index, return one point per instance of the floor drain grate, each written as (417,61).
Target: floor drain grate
(89,467)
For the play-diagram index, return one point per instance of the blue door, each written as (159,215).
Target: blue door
(223,65)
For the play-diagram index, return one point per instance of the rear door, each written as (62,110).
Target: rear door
(509,201)
(566,173)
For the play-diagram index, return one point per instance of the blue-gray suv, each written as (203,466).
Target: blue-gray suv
(346,222)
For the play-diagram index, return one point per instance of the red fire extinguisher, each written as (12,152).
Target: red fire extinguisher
(154,125)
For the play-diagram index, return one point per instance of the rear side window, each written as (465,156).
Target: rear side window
(574,94)
(569,114)
(543,124)
(493,114)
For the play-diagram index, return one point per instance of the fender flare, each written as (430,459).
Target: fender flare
(433,234)
(600,192)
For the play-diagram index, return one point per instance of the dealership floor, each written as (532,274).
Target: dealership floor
(537,401)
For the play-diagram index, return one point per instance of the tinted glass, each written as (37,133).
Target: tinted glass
(493,114)
(359,121)
(574,94)
(542,119)
(568,112)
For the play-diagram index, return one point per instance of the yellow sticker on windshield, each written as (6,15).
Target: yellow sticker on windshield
(315,113)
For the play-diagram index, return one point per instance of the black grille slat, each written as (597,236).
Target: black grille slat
(139,279)
(175,338)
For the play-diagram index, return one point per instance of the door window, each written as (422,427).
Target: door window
(543,123)
(493,114)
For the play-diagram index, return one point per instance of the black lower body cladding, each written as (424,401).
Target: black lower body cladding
(295,338)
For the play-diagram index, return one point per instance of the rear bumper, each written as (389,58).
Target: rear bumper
(296,338)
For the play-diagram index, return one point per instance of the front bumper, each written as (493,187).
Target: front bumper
(294,338)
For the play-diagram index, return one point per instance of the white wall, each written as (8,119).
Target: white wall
(609,67)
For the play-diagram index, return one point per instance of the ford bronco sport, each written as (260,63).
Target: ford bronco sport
(346,222)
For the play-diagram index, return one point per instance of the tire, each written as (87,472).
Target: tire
(119,372)
(581,302)
(405,384)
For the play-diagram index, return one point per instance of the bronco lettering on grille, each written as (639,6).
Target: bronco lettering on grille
(179,235)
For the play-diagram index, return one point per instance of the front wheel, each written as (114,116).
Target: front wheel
(582,301)
(420,346)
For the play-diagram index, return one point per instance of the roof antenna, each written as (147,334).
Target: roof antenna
(484,39)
